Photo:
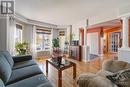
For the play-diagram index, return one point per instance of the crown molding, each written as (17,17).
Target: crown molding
(23,19)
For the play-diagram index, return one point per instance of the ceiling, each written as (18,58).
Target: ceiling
(65,12)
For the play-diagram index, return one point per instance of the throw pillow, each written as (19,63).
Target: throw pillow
(121,78)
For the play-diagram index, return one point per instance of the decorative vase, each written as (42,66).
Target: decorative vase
(59,60)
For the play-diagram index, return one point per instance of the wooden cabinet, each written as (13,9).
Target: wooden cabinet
(75,52)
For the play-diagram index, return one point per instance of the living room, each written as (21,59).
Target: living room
(52,43)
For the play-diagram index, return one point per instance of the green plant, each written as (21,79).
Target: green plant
(56,42)
(21,48)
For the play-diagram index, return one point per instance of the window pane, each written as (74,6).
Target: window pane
(40,45)
(18,36)
(43,41)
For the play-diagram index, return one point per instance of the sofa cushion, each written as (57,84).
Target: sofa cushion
(24,64)
(8,57)
(1,83)
(5,69)
(30,82)
(23,73)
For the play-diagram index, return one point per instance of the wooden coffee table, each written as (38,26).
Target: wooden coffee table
(64,65)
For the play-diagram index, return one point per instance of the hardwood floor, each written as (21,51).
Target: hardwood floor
(82,67)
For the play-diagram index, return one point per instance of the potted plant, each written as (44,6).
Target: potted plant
(56,55)
(21,48)
(56,43)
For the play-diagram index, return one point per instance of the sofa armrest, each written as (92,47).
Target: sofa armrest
(22,58)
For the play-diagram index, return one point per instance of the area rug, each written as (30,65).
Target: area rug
(93,56)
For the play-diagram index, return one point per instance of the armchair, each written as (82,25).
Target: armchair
(99,79)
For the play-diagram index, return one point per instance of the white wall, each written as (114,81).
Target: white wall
(92,42)
(28,33)
(7,30)
(76,27)
(55,33)
(123,54)
(3,34)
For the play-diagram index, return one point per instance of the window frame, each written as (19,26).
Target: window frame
(43,32)
(22,28)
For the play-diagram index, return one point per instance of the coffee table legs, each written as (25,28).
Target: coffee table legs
(47,67)
(59,78)
(74,71)
(60,73)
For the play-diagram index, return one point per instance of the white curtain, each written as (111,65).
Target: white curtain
(34,52)
(11,30)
